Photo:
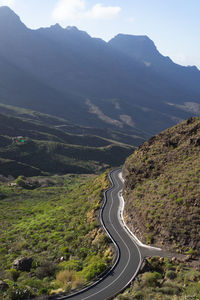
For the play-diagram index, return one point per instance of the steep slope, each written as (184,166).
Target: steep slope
(144,50)
(45,149)
(56,70)
(162,188)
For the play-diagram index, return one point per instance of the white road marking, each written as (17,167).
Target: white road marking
(129,254)
(123,223)
(121,177)
(117,248)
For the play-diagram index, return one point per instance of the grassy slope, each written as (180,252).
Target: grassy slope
(133,137)
(49,149)
(56,219)
(162,188)
(162,194)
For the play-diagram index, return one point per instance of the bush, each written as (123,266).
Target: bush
(47,269)
(139,295)
(169,290)
(71,265)
(170,274)
(20,293)
(63,278)
(93,270)
(14,274)
(20,181)
(151,279)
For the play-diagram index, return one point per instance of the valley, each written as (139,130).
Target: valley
(75,110)
(68,152)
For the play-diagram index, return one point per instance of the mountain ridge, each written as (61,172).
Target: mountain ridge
(56,70)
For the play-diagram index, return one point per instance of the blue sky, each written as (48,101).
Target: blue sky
(174,25)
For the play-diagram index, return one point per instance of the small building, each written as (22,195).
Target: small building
(18,139)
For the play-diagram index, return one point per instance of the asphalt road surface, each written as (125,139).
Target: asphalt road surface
(129,255)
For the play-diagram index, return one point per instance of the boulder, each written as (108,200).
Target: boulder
(23,264)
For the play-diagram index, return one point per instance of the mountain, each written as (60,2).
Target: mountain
(144,50)
(162,190)
(66,73)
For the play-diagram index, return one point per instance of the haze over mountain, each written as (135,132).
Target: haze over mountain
(125,84)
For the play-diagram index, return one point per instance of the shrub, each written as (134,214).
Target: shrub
(14,274)
(149,238)
(170,274)
(179,200)
(77,282)
(192,251)
(64,277)
(139,295)
(93,269)
(20,181)
(20,293)
(169,290)
(71,265)
(46,269)
(151,279)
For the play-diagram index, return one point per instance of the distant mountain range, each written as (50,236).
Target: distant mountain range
(124,85)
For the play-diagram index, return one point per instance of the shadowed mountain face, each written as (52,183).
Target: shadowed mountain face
(32,144)
(144,50)
(125,85)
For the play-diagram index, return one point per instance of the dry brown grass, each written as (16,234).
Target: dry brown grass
(162,188)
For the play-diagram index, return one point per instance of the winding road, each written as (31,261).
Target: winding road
(129,257)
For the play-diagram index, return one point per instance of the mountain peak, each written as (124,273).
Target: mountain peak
(141,38)
(140,47)
(136,42)
(7,12)
(56,27)
(9,18)
(72,28)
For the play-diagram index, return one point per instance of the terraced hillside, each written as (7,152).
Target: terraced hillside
(135,137)
(52,148)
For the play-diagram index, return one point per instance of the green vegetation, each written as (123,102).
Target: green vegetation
(163,279)
(52,220)
(162,193)
(162,189)
(47,150)
(44,126)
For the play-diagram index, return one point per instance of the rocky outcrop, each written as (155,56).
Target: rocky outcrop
(23,264)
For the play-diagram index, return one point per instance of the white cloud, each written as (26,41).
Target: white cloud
(68,9)
(7,2)
(77,9)
(100,11)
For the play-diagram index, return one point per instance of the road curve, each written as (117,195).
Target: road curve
(129,256)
